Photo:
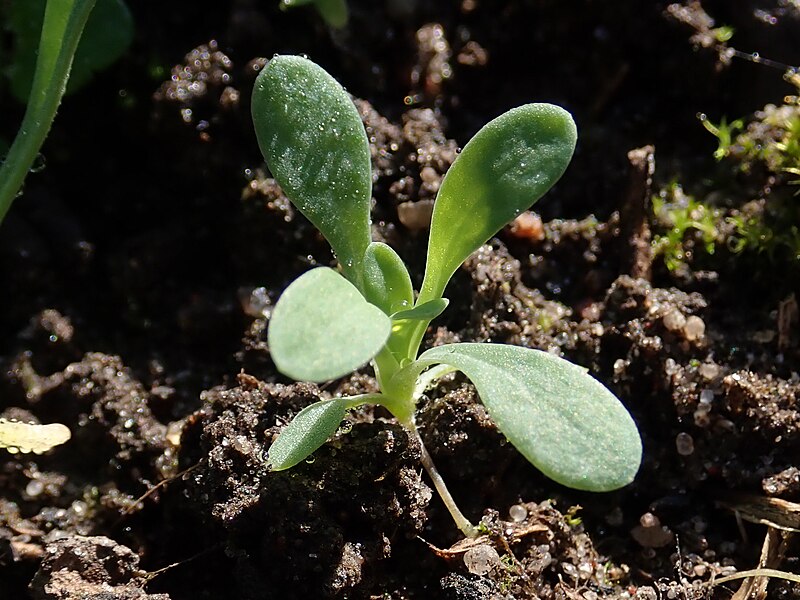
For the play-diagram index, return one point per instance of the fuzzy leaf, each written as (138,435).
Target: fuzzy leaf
(312,138)
(322,328)
(309,429)
(423,312)
(562,420)
(509,164)
(386,283)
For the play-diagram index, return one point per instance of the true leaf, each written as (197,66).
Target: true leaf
(562,420)
(309,429)
(509,164)
(423,312)
(322,328)
(315,145)
(386,282)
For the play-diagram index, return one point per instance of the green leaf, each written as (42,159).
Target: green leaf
(562,420)
(107,35)
(334,12)
(505,168)
(386,283)
(423,312)
(312,138)
(322,328)
(309,429)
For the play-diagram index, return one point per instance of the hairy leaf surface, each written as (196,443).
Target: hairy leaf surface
(322,328)
(309,429)
(562,420)
(315,145)
(509,164)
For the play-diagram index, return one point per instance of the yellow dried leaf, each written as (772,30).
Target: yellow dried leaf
(30,437)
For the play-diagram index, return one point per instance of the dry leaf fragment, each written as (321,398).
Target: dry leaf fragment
(31,437)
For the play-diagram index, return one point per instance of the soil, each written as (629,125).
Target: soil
(139,269)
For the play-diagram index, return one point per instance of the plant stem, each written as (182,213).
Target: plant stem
(61,31)
(467,528)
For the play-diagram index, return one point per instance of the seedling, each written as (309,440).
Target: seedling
(327,324)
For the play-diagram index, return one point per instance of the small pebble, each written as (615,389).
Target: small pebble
(706,396)
(648,519)
(674,320)
(481,559)
(694,329)
(415,215)
(34,488)
(708,370)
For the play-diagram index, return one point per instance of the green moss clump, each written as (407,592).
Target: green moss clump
(751,206)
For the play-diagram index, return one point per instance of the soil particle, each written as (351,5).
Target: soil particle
(90,568)
(300,531)
(200,86)
(785,484)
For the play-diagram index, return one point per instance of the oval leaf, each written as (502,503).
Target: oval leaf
(387,283)
(505,168)
(562,420)
(309,429)
(322,328)
(316,148)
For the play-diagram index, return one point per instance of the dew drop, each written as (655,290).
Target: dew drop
(518,513)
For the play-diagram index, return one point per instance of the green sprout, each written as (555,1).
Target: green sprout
(327,324)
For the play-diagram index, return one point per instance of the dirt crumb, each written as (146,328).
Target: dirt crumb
(91,568)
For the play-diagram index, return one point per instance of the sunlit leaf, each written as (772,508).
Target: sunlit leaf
(509,164)
(310,428)
(565,422)
(423,312)
(386,283)
(322,328)
(316,148)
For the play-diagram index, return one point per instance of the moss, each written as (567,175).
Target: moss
(751,205)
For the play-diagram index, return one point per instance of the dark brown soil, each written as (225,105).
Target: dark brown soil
(139,269)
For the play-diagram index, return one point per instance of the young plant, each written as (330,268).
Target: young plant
(327,324)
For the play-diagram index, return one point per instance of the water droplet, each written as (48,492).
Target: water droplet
(311,460)
(702,116)
(518,513)
(39,164)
